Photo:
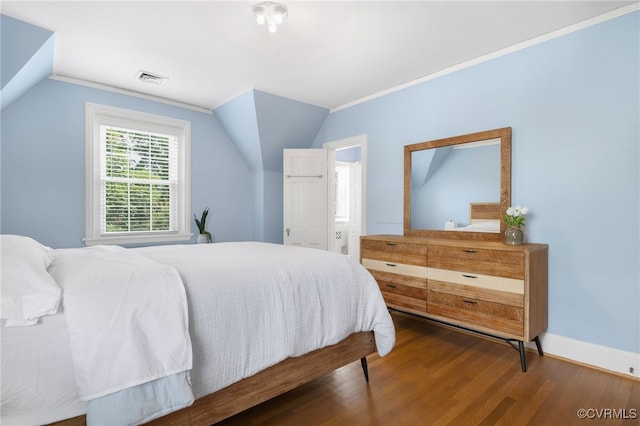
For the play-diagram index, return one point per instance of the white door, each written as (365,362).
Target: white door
(305,198)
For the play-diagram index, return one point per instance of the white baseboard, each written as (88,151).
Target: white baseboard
(615,360)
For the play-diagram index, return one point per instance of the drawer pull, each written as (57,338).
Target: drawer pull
(469,276)
(391,244)
(391,264)
(391,285)
(470,302)
(469,251)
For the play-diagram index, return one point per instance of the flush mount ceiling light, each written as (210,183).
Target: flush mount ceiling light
(270,13)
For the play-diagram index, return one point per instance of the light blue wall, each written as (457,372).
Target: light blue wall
(236,162)
(238,117)
(262,125)
(14,55)
(26,62)
(283,123)
(573,103)
(43,165)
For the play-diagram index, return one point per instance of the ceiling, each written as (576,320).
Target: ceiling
(326,53)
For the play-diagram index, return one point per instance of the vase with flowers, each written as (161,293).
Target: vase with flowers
(204,236)
(514,219)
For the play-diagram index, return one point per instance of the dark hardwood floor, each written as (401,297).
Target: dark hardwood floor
(439,376)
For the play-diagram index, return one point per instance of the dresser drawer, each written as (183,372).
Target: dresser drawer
(501,263)
(477,282)
(475,292)
(476,313)
(389,251)
(395,268)
(402,290)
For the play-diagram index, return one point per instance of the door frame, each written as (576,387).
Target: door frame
(331,147)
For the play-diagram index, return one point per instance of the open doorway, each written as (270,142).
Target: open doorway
(346,194)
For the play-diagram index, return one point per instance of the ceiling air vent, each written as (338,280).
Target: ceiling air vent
(147,77)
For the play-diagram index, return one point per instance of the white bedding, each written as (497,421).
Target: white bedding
(38,384)
(251,305)
(480,226)
(126,316)
(128,329)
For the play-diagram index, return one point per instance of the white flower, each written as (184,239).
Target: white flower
(515,216)
(516,211)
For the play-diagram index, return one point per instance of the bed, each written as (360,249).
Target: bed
(261,319)
(483,217)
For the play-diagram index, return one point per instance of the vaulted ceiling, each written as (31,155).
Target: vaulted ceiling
(326,53)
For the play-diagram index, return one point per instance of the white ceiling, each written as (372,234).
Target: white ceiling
(326,53)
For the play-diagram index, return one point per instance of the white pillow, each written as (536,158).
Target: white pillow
(28,291)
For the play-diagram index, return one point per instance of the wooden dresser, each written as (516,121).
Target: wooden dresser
(483,286)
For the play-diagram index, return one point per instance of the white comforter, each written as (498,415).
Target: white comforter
(126,316)
(252,305)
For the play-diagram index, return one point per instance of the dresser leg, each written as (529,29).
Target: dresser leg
(365,368)
(523,357)
(538,345)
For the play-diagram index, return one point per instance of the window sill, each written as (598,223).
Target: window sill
(137,239)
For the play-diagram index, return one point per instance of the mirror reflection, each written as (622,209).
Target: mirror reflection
(458,187)
(446,182)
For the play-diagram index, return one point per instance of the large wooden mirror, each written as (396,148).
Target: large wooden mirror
(458,187)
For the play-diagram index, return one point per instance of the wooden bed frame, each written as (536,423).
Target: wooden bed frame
(267,384)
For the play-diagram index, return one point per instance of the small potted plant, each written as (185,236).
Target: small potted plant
(514,219)
(204,236)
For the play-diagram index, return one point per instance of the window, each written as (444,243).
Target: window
(137,177)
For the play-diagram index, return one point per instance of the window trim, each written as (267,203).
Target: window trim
(95,115)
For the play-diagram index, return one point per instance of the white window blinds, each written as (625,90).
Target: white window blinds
(139,181)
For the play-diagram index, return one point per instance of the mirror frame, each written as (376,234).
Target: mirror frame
(505,183)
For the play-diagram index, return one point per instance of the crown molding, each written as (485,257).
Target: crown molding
(516,47)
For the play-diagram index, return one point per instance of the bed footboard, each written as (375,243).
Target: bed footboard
(274,381)
(267,384)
